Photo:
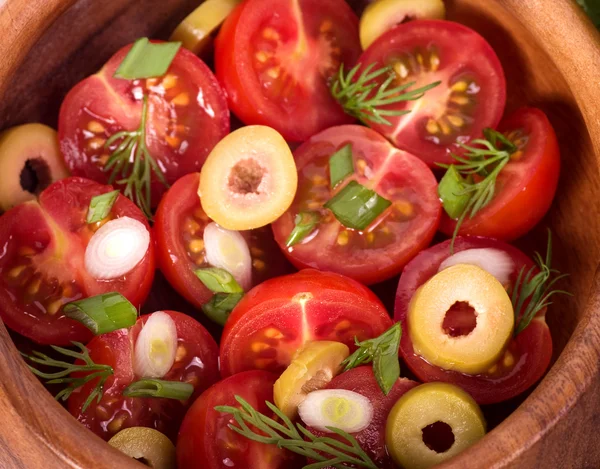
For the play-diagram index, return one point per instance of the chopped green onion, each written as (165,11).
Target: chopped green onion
(356,207)
(103,313)
(305,223)
(159,388)
(452,192)
(218,280)
(147,60)
(220,306)
(341,165)
(100,206)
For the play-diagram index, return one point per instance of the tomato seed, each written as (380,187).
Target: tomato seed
(96,127)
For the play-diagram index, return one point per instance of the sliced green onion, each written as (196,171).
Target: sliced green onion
(305,223)
(103,313)
(356,207)
(100,206)
(159,388)
(220,306)
(147,60)
(341,165)
(452,192)
(218,280)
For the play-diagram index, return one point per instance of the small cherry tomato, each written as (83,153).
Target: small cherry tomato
(42,261)
(524,360)
(281,315)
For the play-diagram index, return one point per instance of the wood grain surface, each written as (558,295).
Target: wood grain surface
(551,55)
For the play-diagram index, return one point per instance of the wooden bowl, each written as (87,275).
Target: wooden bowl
(551,54)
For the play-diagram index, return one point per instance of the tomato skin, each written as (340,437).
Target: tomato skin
(204,440)
(530,182)
(532,348)
(399,176)
(175,260)
(301,49)
(372,439)
(54,228)
(284,313)
(116,349)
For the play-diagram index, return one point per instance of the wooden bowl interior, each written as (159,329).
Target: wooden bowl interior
(89,32)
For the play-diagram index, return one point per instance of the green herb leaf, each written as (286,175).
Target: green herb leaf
(364,98)
(159,388)
(94,371)
(220,306)
(147,60)
(356,207)
(383,352)
(103,313)
(305,223)
(592,8)
(326,451)
(450,190)
(100,206)
(218,280)
(341,165)
(531,293)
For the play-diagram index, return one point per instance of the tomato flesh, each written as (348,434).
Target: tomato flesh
(196,363)
(275,60)
(279,316)
(42,262)
(527,356)
(471,96)
(380,251)
(525,187)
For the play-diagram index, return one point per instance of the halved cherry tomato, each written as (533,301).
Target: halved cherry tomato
(279,316)
(527,356)
(178,228)
(196,362)
(206,442)
(187,116)
(372,438)
(470,98)
(395,237)
(275,60)
(42,261)
(525,187)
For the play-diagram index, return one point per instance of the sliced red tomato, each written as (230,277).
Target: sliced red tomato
(206,442)
(187,115)
(471,96)
(396,236)
(527,356)
(275,60)
(178,229)
(42,261)
(196,363)
(525,187)
(372,439)
(279,316)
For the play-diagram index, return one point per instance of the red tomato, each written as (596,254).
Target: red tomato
(471,96)
(42,262)
(206,442)
(196,363)
(395,237)
(372,438)
(279,316)
(275,60)
(525,187)
(178,228)
(187,116)
(527,356)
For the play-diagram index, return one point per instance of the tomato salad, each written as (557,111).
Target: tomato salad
(362,139)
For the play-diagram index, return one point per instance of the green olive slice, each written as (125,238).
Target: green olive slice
(147,445)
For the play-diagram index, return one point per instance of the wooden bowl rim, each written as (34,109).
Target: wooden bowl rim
(578,363)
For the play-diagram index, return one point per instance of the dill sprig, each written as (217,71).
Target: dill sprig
(326,451)
(357,97)
(65,375)
(132,150)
